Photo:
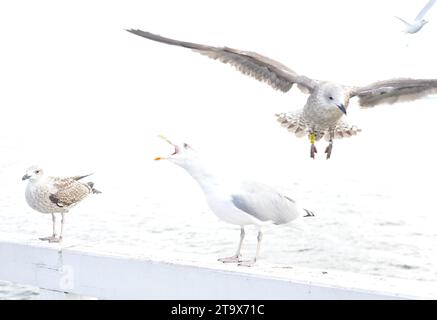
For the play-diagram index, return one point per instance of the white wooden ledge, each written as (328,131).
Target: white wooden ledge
(72,270)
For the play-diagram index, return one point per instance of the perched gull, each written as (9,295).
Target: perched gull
(419,22)
(327,102)
(55,195)
(235,201)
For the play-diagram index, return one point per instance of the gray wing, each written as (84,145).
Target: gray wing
(265,203)
(253,64)
(405,22)
(394,90)
(68,191)
(425,9)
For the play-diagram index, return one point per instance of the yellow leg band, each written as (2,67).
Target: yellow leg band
(312,138)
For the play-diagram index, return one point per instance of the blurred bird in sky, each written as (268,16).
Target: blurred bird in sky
(419,21)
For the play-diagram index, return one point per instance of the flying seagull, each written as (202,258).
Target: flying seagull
(55,195)
(327,102)
(235,201)
(419,21)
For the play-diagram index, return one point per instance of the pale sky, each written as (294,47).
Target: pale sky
(75,84)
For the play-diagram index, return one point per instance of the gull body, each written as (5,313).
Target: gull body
(413,27)
(222,194)
(323,114)
(53,195)
(325,107)
(236,201)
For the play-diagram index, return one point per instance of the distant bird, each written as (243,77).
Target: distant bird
(327,102)
(237,201)
(55,195)
(419,21)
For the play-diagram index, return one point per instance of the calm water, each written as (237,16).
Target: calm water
(380,222)
(16,292)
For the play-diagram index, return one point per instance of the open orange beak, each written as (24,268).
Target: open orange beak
(166,140)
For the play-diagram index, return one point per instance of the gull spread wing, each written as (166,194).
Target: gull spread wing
(425,9)
(253,64)
(68,191)
(265,203)
(394,90)
(405,22)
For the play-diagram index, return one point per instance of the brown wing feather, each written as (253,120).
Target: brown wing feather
(253,64)
(81,177)
(69,192)
(394,90)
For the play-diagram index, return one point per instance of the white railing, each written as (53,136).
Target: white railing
(75,270)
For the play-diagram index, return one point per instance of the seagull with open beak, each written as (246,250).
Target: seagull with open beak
(235,201)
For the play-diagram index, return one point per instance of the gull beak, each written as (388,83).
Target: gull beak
(25,177)
(166,140)
(342,108)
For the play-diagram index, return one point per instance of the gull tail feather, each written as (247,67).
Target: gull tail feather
(301,225)
(308,213)
(81,177)
(344,130)
(293,122)
(91,185)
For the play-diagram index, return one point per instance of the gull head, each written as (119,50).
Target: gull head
(182,154)
(33,173)
(334,96)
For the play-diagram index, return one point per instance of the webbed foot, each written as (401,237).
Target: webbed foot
(232,259)
(52,238)
(247,263)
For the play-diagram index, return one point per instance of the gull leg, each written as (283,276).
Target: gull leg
(237,256)
(328,150)
(53,236)
(62,230)
(251,263)
(313,147)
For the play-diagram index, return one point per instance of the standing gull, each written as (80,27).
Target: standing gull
(419,22)
(235,201)
(55,195)
(327,102)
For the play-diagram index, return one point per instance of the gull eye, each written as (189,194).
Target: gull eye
(37,171)
(331,98)
(186,146)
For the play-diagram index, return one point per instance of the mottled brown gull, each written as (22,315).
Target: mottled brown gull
(327,102)
(53,195)
(237,201)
